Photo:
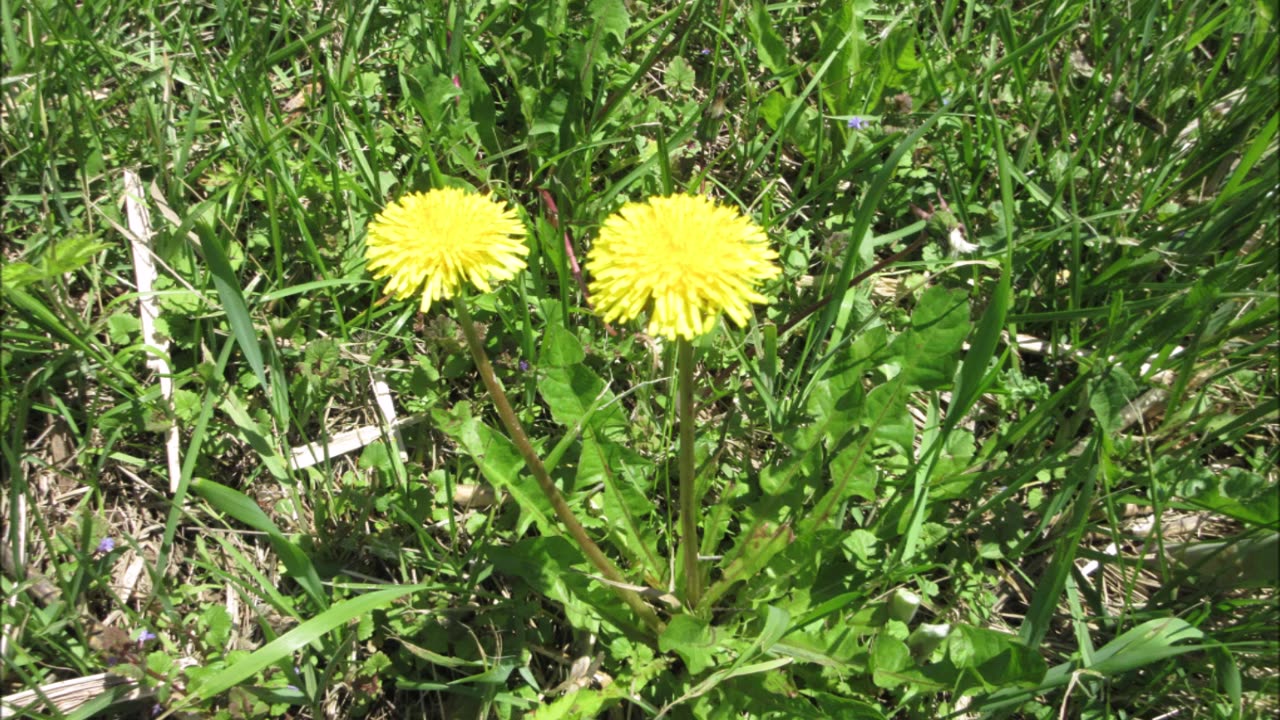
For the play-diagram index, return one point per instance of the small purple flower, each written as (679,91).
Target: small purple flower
(145,635)
(857,123)
(106,546)
(706,51)
(946,101)
(524,366)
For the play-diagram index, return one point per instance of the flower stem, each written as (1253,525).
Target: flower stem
(688,494)
(516,431)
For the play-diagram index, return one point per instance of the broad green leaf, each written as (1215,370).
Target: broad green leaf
(889,420)
(835,22)
(1232,491)
(579,399)
(549,112)
(121,327)
(987,659)
(692,639)
(843,707)
(783,474)
(773,109)
(611,16)
(499,462)
(580,704)
(889,656)
(560,348)
(679,74)
(59,258)
(854,471)
(752,553)
(548,564)
(480,107)
(769,46)
(836,406)
(931,349)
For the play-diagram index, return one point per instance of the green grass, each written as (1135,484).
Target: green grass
(906,415)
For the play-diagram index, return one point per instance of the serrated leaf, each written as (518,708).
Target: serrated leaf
(626,502)
(321,356)
(612,18)
(752,553)
(769,46)
(930,350)
(989,659)
(679,74)
(499,462)
(853,470)
(836,405)
(547,565)
(215,625)
(888,417)
(121,328)
(692,640)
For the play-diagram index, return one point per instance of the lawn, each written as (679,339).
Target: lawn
(636,359)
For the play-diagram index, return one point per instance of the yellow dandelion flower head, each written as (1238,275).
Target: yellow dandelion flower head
(431,242)
(683,258)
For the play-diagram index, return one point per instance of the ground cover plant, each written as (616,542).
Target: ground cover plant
(640,359)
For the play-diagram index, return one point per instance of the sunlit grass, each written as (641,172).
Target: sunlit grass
(1018,364)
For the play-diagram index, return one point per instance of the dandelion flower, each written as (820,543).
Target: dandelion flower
(682,258)
(431,242)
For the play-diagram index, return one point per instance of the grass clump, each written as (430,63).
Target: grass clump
(999,442)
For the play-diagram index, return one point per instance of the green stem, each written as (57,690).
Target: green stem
(688,491)
(516,431)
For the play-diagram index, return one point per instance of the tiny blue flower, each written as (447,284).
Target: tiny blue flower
(106,546)
(145,635)
(946,101)
(857,123)
(524,366)
(706,51)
